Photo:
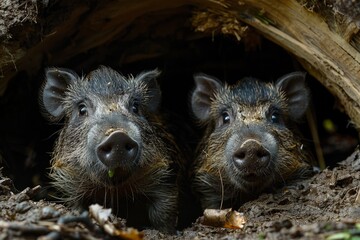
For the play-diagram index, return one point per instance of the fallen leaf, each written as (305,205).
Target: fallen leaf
(102,217)
(100,214)
(226,218)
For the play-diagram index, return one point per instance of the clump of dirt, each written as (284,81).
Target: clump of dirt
(316,208)
(16,13)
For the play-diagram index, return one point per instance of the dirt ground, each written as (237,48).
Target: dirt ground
(327,206)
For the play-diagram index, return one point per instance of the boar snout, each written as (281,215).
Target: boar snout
(117,149)
(251,156)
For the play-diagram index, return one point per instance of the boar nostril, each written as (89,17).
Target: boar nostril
(117,149)
(240,155)
(262,153)
(251,156)
(130,146)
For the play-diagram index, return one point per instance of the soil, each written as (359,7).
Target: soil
(326,206)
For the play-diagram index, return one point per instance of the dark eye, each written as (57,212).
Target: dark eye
(225,118)
(82,109)
(135,107)
(275,117)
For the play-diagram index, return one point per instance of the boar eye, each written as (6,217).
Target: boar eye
(225,118)
(82,109)
(135,107)
(275,117)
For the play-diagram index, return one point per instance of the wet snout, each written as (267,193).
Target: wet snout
(117,149)
(251,156)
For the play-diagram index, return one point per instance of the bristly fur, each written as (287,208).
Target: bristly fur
(248,102)
(82,180)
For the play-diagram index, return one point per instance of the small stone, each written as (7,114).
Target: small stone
(22,207)
(49,212)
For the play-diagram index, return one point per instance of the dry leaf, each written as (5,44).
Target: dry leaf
(226,218)
(102,217)
(100,214)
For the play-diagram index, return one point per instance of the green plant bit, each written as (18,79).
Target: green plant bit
(111,173)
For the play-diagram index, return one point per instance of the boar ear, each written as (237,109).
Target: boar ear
(53,93)
(293,85)
(153,89)
(206,86)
